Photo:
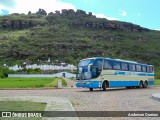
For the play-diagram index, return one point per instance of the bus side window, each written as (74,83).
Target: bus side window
(107,64)
(138,68)
(144,68)
(132,67)
(148,69)
(124,66)
(98,63)
(116,65)
(152,69)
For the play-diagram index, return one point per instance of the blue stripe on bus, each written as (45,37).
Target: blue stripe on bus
(98,84)
(120,73)
(150,74)
(93,84)
(123,83)
(131,73)
(127,83)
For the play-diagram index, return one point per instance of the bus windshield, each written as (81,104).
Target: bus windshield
(84,69)
(85,62)
(89,68)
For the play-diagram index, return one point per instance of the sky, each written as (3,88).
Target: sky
(142,12)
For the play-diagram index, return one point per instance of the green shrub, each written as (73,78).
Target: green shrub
(34,71)
(64,82)
(4,72)
(157,75)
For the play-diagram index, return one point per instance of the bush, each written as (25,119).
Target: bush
(5,75)
(157,75)
(64,82)
(4,72)
(34,71)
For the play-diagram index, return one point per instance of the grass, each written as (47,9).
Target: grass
(22,106)
(29,82)
(157,82)
(55,82)
(73,78)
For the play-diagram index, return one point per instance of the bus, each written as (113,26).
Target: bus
(103,73)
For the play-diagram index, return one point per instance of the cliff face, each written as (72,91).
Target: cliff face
(20,23)
(69,36)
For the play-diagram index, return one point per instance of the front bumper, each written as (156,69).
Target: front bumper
(91,84)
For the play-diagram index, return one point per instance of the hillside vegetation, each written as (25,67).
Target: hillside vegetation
(70,36)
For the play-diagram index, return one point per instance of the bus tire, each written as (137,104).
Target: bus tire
(91,89)
(141,84)
(128,87)
(105,85)
(145,84)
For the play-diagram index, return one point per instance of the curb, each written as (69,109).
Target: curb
(157,95)
(35,88)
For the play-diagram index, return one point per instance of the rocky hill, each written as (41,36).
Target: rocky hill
(69,36)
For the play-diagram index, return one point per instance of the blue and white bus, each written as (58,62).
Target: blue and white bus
(104,73)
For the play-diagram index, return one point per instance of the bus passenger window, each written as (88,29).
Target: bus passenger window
(107,64)
(116,65)
(144,68)
(149,69)
(138,68)
(132,67)
(98,63)
(124,66)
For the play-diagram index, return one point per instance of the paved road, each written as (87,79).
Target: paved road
(119,99)
(70,83)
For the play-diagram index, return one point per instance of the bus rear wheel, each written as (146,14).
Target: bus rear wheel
(140,84)
(91,89)
(145,84)
(128,87)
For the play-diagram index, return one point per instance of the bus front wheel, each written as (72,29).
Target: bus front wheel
(104,86)
(91,89)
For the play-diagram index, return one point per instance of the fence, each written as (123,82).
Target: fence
(61,74)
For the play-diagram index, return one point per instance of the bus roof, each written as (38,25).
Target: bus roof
(117,60)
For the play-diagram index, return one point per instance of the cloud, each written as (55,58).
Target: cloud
(23,6)
(158,29)
(123,12)
(103,16)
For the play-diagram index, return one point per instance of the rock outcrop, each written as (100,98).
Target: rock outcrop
(85,23)
(20,24)
(42,12)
